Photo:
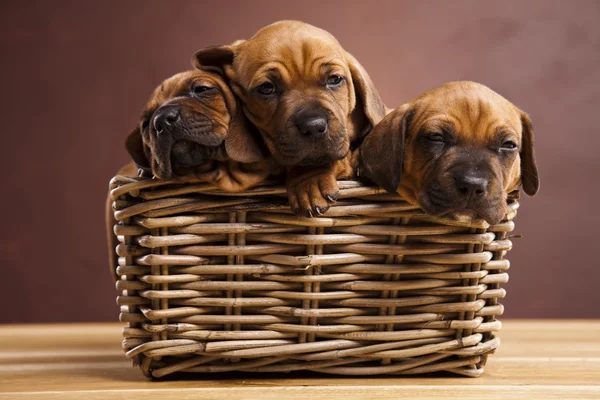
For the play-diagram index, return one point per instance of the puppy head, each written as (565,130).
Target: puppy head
(309,98)
(190,122)
(456,151)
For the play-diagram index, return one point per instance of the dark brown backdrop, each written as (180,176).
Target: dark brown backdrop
(75,76)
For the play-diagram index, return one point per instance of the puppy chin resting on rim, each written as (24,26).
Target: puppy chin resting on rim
(456,151)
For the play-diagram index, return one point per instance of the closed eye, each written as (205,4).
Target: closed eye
(509,145)
(202,90)
(435,137)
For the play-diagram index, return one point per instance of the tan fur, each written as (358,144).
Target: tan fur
(396,156)
(235,164)
(298,59)
(215,117)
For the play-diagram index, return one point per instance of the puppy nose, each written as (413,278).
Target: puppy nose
(471,185)
(166,118)
(312,125)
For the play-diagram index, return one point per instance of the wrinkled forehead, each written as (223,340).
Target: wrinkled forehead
(295,54)
(180,85)
(477,113)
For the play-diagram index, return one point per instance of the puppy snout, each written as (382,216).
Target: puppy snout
(311,124)
(165,118)
(471,186)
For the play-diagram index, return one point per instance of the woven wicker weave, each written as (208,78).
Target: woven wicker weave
(213,283)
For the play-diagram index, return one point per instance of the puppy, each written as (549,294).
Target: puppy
(309,98)
(193,127)
(456,151)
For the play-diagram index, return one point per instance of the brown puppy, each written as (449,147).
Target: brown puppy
(456,151)
(309,98)
(193,127)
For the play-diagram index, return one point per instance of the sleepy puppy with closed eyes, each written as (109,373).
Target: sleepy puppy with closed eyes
(192,126)
(456,151)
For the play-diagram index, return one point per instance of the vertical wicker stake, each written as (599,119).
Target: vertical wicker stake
(399,239)
(316,285)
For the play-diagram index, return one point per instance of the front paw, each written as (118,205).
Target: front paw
(211,176)
(312,196)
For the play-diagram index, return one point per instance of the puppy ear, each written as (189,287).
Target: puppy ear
(135,147)
(215,58)
(529,173)
(243,143)
(382,152)
(367,96)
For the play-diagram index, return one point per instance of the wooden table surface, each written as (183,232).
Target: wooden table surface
(537,359)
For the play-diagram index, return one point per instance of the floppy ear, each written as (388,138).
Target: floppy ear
(215,57)
(243,143)
(135,147)
(367,96)
(529,173)
(382,152)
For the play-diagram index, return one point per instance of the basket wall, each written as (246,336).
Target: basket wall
(214,283)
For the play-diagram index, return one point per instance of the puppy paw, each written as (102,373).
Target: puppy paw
(211,176)
(311,196)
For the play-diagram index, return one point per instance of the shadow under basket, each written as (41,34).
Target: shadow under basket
(217,282)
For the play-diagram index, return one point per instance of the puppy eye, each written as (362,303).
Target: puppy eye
(200,89)
(266,88)
(508,145)
(334,80)
(436,137)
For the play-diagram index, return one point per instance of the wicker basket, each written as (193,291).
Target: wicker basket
(215,282)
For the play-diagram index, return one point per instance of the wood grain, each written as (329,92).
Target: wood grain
(537,359)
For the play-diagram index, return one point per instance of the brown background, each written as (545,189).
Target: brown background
(75,76)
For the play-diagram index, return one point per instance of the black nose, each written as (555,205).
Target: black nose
(313,124)
(165,118)
(471,185)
